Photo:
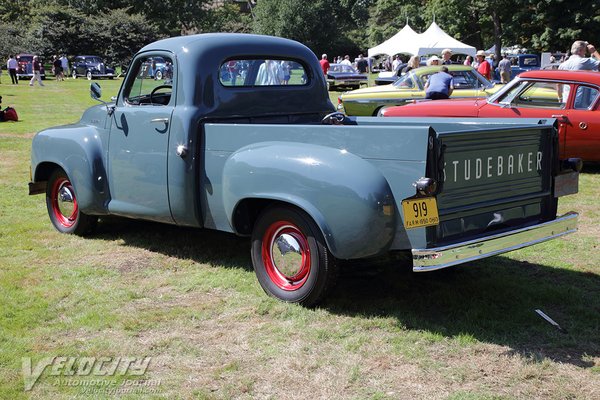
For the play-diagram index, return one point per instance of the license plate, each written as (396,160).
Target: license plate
(420,212)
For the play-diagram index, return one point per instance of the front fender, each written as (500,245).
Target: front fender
(347,197)
(78,150)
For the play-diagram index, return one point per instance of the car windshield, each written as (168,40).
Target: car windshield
(507,93)
(463,79)
(342,68)
(406,81)
(25,58)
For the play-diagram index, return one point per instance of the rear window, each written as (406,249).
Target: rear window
(262,72)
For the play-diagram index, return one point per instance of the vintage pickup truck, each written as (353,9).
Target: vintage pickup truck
(230,143)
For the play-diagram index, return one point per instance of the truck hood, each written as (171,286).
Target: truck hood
(437,108)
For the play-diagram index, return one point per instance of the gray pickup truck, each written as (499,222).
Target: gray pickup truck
(240,136)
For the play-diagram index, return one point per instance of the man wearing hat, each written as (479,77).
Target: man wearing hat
(484,67)
(446,54)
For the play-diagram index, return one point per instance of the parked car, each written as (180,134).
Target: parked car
(572,97)
(91,67)
(25,67)
(156,68)
(341,75)
(387,77)
(411,86)
(520,63)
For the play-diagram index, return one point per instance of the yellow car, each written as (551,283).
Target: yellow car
(368,101)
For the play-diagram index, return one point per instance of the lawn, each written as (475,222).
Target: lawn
(189,301)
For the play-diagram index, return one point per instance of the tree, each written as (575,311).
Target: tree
(323,25)
(119,34)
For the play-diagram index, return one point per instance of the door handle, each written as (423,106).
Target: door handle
(560,117)
(164,120)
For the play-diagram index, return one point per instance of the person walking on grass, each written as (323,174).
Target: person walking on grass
(37,66)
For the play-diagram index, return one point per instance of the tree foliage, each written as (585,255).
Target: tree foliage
(117,28)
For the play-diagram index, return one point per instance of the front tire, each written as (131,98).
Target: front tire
(158,76)
(89,75)
(63,209)
(290,257)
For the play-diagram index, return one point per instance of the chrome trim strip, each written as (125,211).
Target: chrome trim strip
(447,256)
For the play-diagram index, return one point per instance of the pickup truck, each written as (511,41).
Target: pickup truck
(231,144)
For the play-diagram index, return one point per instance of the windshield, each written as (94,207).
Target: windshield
(342,68)
(406,81)
(505,95)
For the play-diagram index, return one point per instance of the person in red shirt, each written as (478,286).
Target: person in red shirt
(324,64)
(484,67)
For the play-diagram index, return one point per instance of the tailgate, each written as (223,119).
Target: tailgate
(493,180)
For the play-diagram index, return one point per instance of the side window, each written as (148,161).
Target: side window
(543,95)
(152,83)
(585,97)
(262,72)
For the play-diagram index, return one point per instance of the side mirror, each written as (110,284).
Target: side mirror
(95,91)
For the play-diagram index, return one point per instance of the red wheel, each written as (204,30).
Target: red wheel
(63,208)
(290,258)
(286,255)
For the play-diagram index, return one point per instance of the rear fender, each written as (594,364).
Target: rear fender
(347,197)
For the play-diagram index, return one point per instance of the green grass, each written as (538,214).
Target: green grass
(189,299)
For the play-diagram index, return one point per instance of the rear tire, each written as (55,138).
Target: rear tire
(290,257)
(63,209)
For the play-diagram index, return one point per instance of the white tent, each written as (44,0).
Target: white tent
(432,41)
(396,43)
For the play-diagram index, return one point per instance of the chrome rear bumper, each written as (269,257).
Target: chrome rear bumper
(447,256)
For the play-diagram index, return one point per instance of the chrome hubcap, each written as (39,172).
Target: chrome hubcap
(65,202)
(287,255)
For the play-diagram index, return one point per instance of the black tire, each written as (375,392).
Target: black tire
(89,75)
(291,230)
(158,76)
(63,209)
(74,74)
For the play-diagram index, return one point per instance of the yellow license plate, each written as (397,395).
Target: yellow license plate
(420,212)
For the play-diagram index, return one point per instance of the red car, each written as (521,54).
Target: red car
(572,97)
(25,67)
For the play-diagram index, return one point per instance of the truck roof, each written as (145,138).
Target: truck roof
(200,57)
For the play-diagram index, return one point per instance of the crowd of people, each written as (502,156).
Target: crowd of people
(60,66)
(440,85)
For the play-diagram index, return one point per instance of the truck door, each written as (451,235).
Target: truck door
(583,124)
(139,138)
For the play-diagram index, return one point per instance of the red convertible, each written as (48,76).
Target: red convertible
(572,97)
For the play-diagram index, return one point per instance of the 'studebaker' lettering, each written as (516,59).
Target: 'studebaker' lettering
(490,167)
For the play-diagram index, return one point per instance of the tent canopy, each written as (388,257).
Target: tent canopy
(404,36)
(432,41)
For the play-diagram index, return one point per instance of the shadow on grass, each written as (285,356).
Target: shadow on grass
(491,300)
(591,168)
